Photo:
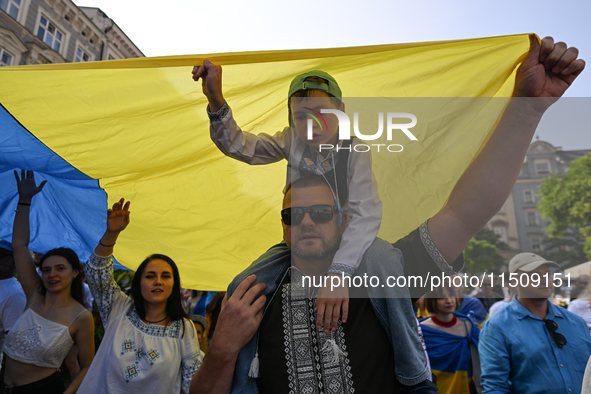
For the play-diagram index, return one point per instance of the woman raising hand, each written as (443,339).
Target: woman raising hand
(54,317)
(150,345)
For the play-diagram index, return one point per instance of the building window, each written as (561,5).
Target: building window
(501,232)
(528,196)
(542,166)
(531,218)
(81,56)
(11,7)
(5,58)
(49,34)
(536,244)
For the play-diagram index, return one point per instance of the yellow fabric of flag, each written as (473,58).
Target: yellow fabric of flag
(140,127)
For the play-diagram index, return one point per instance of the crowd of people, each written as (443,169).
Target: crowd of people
(272,333)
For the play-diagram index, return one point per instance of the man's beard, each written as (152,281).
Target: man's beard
(328,248)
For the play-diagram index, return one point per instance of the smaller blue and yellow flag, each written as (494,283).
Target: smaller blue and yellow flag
(450,357)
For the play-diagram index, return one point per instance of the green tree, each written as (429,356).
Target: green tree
(566,201)
(481,254)
(566,250)
(123,278)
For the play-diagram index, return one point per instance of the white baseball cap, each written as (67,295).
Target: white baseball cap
(528,262)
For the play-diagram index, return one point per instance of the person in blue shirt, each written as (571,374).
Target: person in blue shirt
(533,346)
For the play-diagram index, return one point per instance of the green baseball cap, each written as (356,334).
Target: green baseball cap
(330,86)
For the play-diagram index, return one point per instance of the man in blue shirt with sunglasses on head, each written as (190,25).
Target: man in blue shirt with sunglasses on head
(533,346)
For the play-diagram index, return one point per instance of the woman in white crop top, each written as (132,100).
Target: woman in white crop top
(54,316)
(150,345)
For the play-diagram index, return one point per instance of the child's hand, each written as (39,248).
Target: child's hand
(329,305)
(211,82)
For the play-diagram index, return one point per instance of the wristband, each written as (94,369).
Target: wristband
(341,269)
(106,246)
(220,114)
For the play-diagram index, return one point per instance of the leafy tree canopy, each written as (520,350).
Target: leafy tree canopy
(481,253)
(566,201)
(566,250)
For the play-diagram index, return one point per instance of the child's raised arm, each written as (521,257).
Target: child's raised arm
(230,139)
(211,82)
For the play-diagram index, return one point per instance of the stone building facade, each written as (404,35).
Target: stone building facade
(519,223)
(58,31)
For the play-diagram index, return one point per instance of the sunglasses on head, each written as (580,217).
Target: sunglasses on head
(559,339)
(321,213)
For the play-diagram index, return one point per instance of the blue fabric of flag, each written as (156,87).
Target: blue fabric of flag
(447,352)
(71,210)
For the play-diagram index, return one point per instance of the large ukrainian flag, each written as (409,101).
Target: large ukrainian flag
(138,129)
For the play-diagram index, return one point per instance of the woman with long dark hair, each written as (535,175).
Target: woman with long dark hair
(54,317)
(150,345)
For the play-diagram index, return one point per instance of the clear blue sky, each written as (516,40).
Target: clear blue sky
(195,27)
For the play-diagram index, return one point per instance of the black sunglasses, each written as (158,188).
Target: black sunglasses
(559,339)
(321,213)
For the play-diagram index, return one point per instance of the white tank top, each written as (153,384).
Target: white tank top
(36,340)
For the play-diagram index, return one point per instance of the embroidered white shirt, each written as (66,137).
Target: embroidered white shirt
(134,356)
